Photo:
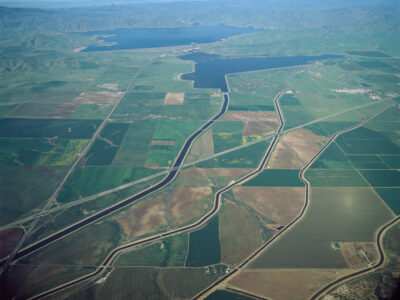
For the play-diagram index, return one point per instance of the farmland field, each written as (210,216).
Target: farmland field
(199,149)
(204,246)
(308,245)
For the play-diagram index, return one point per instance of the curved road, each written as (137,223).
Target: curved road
(217,201)
(295,220)
(348,277)
(171,175)
(200,222)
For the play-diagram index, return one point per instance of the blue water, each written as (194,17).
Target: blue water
(210,69)
(136,38)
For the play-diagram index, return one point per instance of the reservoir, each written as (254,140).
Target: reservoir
(136,38)
(210,69)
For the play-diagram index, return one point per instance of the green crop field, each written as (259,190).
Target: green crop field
(225,295)
(392,161)
(204,247)
(170,252)
(163,75)
(332,158)
(47,128)
(227,134)
(308,245)
(91,180)
(138,105)
(334,177)
(367,162)
(248,157)
(170,130)
(134,148)
(275,177)
(382,178)
(391,196)
(106,146)
(75,192)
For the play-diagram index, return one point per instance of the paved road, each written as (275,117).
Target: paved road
(93,197)
(255,254)
(200,222)
(14,253)
(171,175)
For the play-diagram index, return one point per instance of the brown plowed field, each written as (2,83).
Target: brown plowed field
(359,254)
(98,97)
(174,99)
(251,116)
(295,149)
(280,204)
(282,284)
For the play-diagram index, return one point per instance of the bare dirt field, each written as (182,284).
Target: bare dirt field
(251,116)
(202,147)
(162,143)
(280,204)
(359,254)
(295,149)
(282,284)
(260,128)
(153,166)
(98,97)
(240,233)
(143,218)
(185,203)
(174,99)
(64,110)
(8,238)
(216,172)
(109,86)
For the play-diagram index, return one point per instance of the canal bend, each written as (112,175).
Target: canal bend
(170,177)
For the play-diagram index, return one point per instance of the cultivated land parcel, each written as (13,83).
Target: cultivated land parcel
(247,184)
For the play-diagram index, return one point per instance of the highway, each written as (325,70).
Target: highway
(15,251)
(129,184)
(201,221)
(171,175)
(216,205)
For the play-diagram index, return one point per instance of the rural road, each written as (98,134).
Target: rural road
(93,197)
(5,265)
(379,264)
(170,176)
(201,221)
(297,219)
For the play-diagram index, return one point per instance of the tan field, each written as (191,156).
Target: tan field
(143,218)
(202,147)
(240,233)
(174,99)
(217,172)
(280,204)
(359,254)
(109,86)
(162,143)
(173,207)
(251,116)
(185,203)
(295,149)
(260,128)
(98,97)
(282,284)
(153,166)
(64,110)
